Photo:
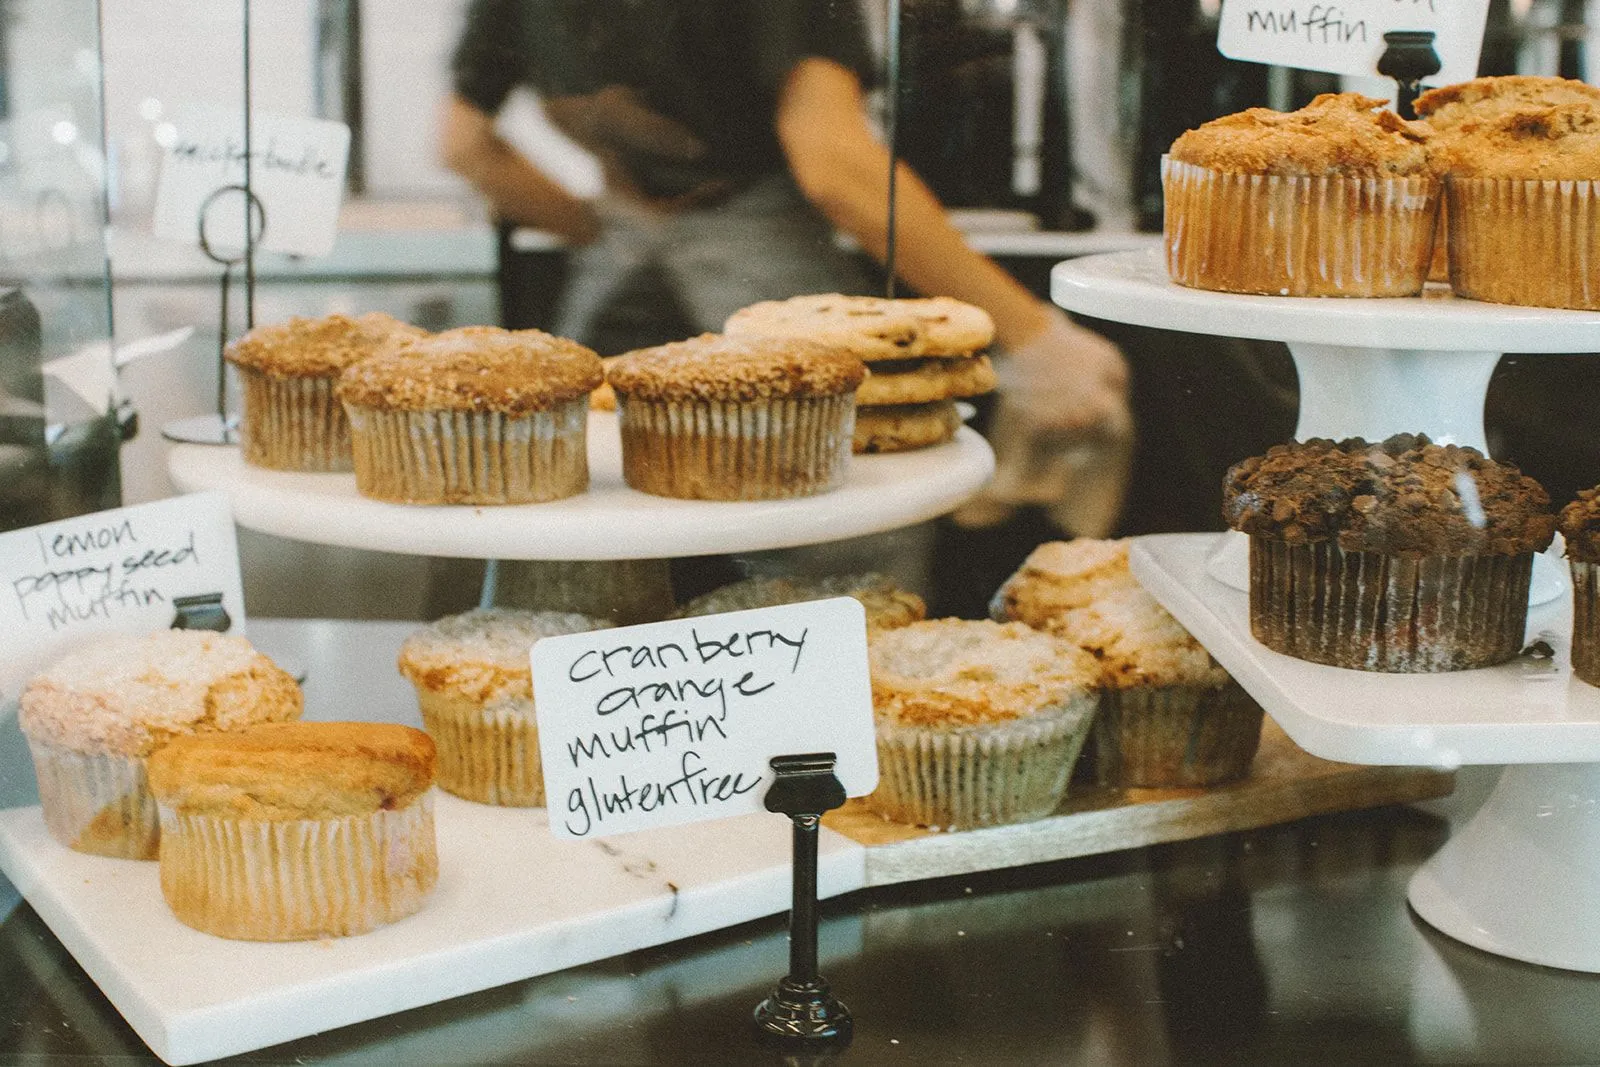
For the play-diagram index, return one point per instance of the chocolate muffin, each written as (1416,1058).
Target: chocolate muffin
(1580,526)
(1400,556)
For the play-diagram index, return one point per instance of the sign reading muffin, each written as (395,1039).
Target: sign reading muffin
(1346,36)
(674,722)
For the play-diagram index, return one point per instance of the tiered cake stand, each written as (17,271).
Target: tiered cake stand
(1522,878)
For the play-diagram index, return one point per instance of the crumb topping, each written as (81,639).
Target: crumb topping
(1452,107)
(482,655)
(1560,142)
(957,672)
(474,368)
(717,367)
(1336,134)
(887,604)
(1402,496)
(1580,526)
(130,695)
(318,348)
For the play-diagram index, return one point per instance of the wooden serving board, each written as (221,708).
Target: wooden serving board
(1285,783)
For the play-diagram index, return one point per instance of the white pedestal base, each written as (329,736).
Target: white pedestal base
(1522,878)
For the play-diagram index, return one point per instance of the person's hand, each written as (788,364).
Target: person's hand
(1066,378)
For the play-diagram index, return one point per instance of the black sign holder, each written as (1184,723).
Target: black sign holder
(1408,59)
(802,1013)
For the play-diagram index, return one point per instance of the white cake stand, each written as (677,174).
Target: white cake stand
(1522,878)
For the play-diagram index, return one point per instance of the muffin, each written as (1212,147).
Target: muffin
(1580,527)
(1336,199)
(1523,211)
(1402,556)
(292,418)
(477,415)
(736,418)
(475,690)
(94,717)
(887,604)
(978,722)
(293,831)
(1169,715)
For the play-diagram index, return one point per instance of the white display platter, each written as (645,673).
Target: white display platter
(610,521)
(1528,711)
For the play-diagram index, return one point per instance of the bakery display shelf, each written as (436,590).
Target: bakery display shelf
(513,902)
(608,522)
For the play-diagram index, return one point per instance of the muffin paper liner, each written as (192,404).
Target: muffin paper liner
(96,802)
(1529,242)
(1586,621)
(1175,735)
(725,450)
(958,778)
(293,424)
(297,879)
(1396,614)
(488,754)
(1295,235)
(470,457)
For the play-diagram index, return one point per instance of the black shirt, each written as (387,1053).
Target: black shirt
(714,66)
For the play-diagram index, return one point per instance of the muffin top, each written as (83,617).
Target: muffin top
(1083,591)
(1580,526)
(887,604)
(1560,142)
(1452,107)
(294,770)
(717,367)
(1403,496)
(1335,134)
(474,368)
(483,654)
(318,348)
(128,696)
(957,672)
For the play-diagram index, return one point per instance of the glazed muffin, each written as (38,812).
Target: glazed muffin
(294,831)
(477,415)
(94,717)
(292,419)
(475,691)
(1169,715)
(887,604)
(736,418)
(978,723)
(1336,199)
(1580,527)
(1401,556)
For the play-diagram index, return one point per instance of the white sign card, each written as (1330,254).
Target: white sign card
(112,571)
(674,722)
(1346,36)
(296,171)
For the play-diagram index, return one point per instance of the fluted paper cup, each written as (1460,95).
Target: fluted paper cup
(1586,621)
(96,802)
(1535,243)
(733,450)
(470,457)
(958,778)
(489,754)
(1175,735)
(293,424)
(1395,614)
(1293,235)
(297,879)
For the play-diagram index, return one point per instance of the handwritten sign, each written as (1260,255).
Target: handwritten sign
(1346,36)
(296,172)
(117,570)
(674,722)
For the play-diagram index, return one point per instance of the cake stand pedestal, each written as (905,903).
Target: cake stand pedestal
(1522,877)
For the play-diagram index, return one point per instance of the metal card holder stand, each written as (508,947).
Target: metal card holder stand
(1408,59)
(802,1014)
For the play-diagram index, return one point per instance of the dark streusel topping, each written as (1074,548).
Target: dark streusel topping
(1580,525)
(1402,496)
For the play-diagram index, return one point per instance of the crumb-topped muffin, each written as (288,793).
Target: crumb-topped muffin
(95,716)
(978,723)
(477,415)
(1401,556)
(1169,714)
(1580,528)
(1335,199)
(736,418)
(292,419)
(475,691)
(292,831)
(887,605)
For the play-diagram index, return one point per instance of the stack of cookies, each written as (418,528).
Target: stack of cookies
(922,354)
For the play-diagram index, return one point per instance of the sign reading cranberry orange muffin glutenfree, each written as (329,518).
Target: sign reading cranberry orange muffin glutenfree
(1346,36)
(675,722)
